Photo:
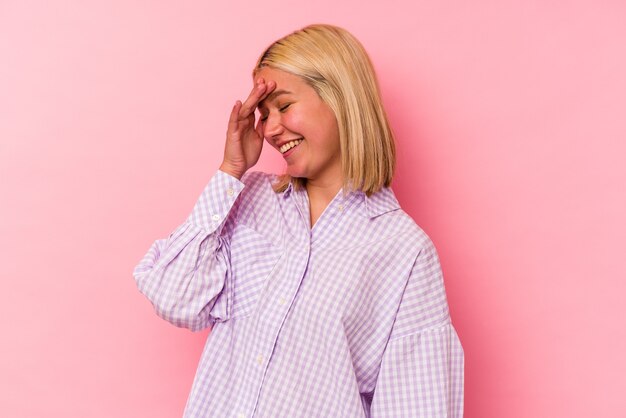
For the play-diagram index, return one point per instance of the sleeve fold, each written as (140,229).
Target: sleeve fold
(184,275)
(421,376)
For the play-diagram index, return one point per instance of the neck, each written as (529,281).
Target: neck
(323,191)
(320,195)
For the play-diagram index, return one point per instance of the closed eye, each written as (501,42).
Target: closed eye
(280,109)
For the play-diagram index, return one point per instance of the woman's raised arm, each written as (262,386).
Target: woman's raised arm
(184,275)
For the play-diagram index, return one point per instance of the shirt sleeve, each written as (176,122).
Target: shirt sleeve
(183,275)
(422,370)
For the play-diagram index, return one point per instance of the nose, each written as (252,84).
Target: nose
(272,127)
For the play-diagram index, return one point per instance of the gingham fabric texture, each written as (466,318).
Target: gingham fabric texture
(345,319)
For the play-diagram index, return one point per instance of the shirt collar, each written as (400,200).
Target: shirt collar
(375,205)
(288,190)
(380,202)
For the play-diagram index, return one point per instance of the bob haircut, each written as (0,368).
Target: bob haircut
(336,66)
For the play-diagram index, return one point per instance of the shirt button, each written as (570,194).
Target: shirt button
(282,301)
(340,207)
(215,218)
(241,415)
(259,359)
(230,192)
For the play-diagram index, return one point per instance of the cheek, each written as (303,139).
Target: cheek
(295,122)
(331,133)
(328,121)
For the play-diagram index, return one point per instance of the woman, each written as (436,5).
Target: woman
(325,299)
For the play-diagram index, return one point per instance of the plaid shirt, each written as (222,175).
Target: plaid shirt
(345,319)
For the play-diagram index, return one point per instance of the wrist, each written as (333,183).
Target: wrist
(228,169)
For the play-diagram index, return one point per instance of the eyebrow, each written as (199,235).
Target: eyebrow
(272,96)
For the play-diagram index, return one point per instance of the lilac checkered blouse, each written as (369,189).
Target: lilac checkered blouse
(345,319)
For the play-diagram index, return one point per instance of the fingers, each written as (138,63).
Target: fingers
(233,120)
(259,92)
(259,129)
(271,85)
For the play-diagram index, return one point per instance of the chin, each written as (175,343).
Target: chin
(293,172)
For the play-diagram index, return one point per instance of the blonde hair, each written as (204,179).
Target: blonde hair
(336,66)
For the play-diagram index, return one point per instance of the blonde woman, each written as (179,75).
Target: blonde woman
(324,297)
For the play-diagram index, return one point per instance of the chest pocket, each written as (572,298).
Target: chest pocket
(253,258)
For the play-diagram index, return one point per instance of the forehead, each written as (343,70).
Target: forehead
(283,79)
(287,84)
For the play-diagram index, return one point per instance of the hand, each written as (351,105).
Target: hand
(244,141)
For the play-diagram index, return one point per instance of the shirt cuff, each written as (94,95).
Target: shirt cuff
(215,202)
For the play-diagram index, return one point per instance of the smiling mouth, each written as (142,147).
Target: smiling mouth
(289,145)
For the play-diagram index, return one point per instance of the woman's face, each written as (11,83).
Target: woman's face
(297,123)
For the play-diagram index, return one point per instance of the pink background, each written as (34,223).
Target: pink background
(511,125)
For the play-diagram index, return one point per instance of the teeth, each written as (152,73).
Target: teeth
(289,145)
